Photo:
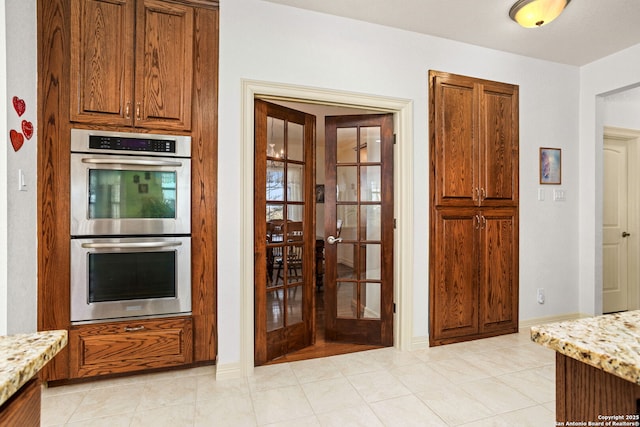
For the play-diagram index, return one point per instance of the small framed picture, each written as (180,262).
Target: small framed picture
(320,193)
(550,166)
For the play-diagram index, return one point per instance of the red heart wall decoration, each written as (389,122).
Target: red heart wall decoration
(16,139)
(19,105)
(27,129)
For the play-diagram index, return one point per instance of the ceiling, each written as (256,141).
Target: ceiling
(587,30)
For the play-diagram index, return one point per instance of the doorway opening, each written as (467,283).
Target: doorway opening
(621,220)
(403,200)
(319,316)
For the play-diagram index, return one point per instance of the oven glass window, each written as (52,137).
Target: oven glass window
(132,275)
(131,194)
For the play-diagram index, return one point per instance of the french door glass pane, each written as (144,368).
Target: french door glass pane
(275,180)
(345,269)
(348,214)
(275,310)
(295,212)
(346,145)
(370,301)
(275,137)
(346,299)
(295,141)
(370,259)
(370,222)
(370,184)
(347,184)
(275,212)
(295,182)
(294,264)
(370,144)
(294,301)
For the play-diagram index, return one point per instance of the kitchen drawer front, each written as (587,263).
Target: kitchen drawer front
(118,347)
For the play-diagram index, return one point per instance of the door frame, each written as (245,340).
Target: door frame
(403,202)
(632,139)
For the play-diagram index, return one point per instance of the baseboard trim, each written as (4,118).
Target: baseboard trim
(526,324)
(228,371)
(419,343)
(422,343)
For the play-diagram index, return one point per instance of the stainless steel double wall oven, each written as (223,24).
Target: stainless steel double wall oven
(130,225)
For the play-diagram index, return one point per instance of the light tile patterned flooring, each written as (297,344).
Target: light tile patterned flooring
(500,381)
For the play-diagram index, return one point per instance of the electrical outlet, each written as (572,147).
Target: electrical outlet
(540,296)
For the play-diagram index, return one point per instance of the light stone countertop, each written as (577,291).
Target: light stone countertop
(610,342)
(23,355)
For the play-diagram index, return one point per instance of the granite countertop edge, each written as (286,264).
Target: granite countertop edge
(24,355)
(609,342)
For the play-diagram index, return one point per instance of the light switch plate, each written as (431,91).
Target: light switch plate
(22,183)
(559,196)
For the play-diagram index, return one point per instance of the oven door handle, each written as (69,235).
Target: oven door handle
(134,245)
(134,162)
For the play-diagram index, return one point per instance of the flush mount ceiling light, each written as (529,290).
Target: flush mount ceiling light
(536,13)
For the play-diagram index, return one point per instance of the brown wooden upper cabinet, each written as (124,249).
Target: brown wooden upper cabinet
(131,63)
(476,141)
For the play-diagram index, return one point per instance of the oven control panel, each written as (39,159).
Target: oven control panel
(103,142)
(118,143)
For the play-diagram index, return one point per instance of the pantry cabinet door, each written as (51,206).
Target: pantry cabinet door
(454,151)
(498,156)
(499,270)
(455,284)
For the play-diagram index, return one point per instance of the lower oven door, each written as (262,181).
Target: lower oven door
(113,278)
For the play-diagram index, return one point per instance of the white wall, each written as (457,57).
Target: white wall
(4,301)
(274,43)
(622,109)
(21,67)
(602,77)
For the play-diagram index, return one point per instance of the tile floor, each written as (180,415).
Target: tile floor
(501,381)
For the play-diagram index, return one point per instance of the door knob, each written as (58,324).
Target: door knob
(625,234)
(333,240)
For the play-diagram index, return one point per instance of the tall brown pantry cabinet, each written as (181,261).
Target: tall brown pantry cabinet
(126,65)
(473,281)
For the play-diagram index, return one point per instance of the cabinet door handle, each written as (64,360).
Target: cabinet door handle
(127,110)
(484,222)
(483,194)
(138,111)
(133,329)
(477,222)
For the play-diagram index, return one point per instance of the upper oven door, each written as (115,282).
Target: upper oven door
(129,195)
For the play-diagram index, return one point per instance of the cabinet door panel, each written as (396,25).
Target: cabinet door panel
(117,347)
(164,69)
(102,61)
(454,151)
(454,300)
(499,145)
(499,270)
